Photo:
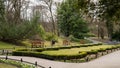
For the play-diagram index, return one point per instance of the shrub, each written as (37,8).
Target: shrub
(90,35)
(50,36)
(14,33)
(72,38)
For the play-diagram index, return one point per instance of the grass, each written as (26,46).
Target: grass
(74,51)
(2,65)
(27,43)
(4,45)
(48,43)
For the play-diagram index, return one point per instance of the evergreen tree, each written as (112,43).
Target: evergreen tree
(70,19)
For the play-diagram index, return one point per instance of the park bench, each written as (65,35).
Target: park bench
(37,43)
(66,42)
(82,42)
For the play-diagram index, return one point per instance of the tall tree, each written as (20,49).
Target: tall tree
(70,19)
(111,14)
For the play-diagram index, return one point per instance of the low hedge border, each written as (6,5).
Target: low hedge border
(64,57)
(51,57)
(57,48)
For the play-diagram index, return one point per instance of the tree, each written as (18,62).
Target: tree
(70,19)
(111,15)
(18,30)
(2,10)
(49,5)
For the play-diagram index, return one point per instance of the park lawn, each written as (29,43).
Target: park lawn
(48,43)
(4,45)
(2,65)
(74,51)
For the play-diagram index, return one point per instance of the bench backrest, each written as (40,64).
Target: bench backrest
(36,43)
(66,42)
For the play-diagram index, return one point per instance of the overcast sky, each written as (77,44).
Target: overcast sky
(37,2)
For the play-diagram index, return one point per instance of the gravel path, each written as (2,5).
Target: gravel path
(108,61)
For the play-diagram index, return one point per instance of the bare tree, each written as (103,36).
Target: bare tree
(50,4)
(15,9)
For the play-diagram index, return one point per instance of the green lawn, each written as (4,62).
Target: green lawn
(74,51)
(4,45)
(2,65)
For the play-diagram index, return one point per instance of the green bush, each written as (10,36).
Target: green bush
(72,38)
(116,36)
(90,35)
(14,33)
(50,36)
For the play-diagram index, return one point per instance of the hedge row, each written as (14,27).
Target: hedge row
(62,57)
(51,57)
(57,48)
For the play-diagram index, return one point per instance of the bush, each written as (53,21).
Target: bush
(50,36)
(90,35)
(14,33)
(116,36)
(72,38)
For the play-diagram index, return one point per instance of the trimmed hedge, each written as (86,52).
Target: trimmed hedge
(61,57)
(38,53)
(92,52)
(57,48)
(51,57)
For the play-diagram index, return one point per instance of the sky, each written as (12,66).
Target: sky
(37,2)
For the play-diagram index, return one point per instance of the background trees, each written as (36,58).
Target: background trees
(14,28)
(111,15)
(18,19)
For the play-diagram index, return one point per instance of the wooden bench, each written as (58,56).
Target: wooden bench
(82,42)
(66,42)
(37,43)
